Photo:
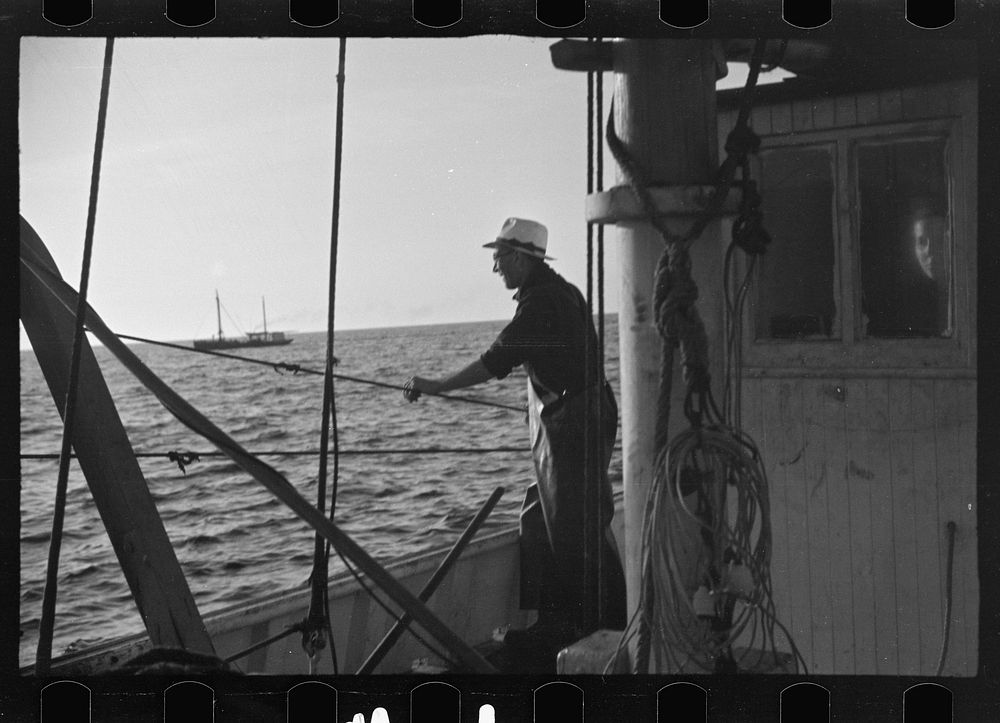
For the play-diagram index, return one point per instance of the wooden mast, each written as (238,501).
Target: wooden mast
(218,313)
(665,113)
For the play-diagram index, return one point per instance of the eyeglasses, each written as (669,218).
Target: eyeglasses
(501,255)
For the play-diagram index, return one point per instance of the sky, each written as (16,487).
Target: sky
(218,174)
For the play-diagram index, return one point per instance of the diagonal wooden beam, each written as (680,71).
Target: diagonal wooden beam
(119,489)
(276,483)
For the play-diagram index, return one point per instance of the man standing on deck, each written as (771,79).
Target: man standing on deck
(549,337)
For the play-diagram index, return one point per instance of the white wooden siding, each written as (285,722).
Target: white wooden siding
(868,466)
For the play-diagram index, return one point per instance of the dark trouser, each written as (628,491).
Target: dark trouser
(554,567)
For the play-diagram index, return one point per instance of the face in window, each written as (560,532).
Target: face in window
(928,240)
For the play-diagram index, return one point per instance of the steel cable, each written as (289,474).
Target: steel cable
(279,367)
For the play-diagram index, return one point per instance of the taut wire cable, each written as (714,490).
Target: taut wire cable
(43,658)
(279,367)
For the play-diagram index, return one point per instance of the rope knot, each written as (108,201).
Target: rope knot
(742,141)
(748,229)
(182,458)
(675,294)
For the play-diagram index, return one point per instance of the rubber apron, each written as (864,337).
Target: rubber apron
(552,514)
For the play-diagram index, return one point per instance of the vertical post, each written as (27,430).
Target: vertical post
(666,117)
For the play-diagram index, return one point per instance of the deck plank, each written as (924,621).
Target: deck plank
(820,407)
(859,497)
(903,423)
(929,571)
(838,497)
(770,444)
(883,552)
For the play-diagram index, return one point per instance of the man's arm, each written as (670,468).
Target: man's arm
(474,373)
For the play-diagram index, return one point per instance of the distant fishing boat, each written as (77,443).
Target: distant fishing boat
(252,338)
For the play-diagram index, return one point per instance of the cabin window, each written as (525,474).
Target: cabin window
(862,249)
(796,283)
(904,238)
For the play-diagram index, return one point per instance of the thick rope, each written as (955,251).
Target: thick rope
(318,617)
(46,629)
(677,318)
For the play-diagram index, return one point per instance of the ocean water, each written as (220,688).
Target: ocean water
(236,541)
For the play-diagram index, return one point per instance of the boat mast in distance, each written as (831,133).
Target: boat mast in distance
(252,338)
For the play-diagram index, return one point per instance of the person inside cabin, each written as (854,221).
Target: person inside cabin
(905,272)
(548,336)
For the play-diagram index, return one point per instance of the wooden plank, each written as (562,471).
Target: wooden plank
(105,455)
(845,112)
(789,455)
(867,105)
(956,490)
(802,115)
(883,551)
(760,120)
(755,425)
(770,443)
(819,412)
(902,424)
(841,574)
(858,475)
(263,473)
(823,113)
(360,630)
(890,106)
(966,542)
(433,583)
(781,118)
(929,579)
(934,101)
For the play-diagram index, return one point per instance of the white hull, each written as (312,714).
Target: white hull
(479,595)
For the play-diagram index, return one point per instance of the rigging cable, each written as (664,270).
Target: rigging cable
(318,617)
(594,432)
(591,543)
(43,657)
(297,369)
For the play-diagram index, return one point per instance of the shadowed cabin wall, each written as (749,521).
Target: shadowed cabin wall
(870,446)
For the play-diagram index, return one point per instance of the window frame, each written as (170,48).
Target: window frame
(852,351)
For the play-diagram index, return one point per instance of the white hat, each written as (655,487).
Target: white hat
(519,234)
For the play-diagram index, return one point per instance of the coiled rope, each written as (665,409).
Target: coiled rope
(706,558)
(43,658)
